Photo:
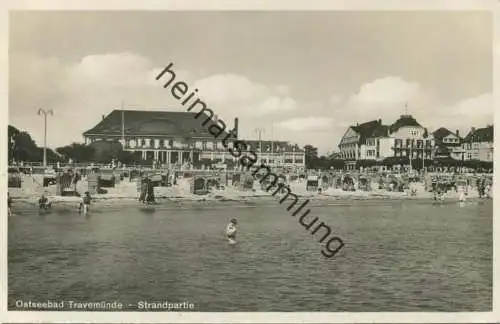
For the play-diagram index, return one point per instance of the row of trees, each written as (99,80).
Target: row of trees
(21,147)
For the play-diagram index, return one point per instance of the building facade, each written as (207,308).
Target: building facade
(405,139)
(478,144)
(177,138)
(448,144)
(278,153)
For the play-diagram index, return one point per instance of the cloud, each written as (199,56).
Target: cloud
(387,90)
(234,94)
(81,92)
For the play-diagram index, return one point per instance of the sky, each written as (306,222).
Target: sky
(303,77)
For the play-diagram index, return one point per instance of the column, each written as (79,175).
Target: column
(143,154)
(191,157)
(156,155)
(179,157)
(168,157)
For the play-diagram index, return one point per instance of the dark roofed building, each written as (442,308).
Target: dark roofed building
(169,137)
(480,135)
(478,144)
(370,129)
(357,135)
(448,144)
(172,137)
(405,138)
(142,123)
(403,121)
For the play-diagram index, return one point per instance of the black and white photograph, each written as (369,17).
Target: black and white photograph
(250,161)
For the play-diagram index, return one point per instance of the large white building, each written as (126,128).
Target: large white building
(170,137)
(405,139)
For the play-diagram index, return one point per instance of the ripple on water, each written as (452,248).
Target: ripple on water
(399,256)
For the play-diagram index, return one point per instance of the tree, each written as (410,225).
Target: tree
(105,151)
(77,152)
(311,155)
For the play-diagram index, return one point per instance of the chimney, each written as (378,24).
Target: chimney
(103,116)
(236,127)
(457,132)
(380,121)
(216,118)
(472,129)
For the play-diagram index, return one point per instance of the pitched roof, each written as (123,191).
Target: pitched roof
(404,120)
(441,133)
(480,135)
(369,129)
(151,123)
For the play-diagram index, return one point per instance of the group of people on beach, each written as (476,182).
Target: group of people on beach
(44,204)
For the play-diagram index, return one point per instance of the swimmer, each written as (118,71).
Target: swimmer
(85,203)
(231,231)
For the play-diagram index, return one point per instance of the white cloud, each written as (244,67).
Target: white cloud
(81,92)
(233,95)
(386,91)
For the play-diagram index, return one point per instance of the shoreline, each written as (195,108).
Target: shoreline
(161,200)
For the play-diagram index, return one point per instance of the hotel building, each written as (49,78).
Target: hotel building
(178,137)
(374,141)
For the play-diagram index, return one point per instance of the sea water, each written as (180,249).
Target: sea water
(398,256)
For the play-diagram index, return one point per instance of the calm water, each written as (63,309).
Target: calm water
(399,256)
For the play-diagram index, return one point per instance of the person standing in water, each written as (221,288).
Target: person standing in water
(85,203)
(43,203)
(9,204)
(231,230)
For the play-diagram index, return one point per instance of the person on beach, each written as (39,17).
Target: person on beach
(231,231)
(9,204)
(43,203)
(85,203)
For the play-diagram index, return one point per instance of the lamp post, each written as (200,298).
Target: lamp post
(45,113)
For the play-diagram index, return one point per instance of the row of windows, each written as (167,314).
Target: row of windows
(202,145)
(411,142)
(450,140)
(414,154)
